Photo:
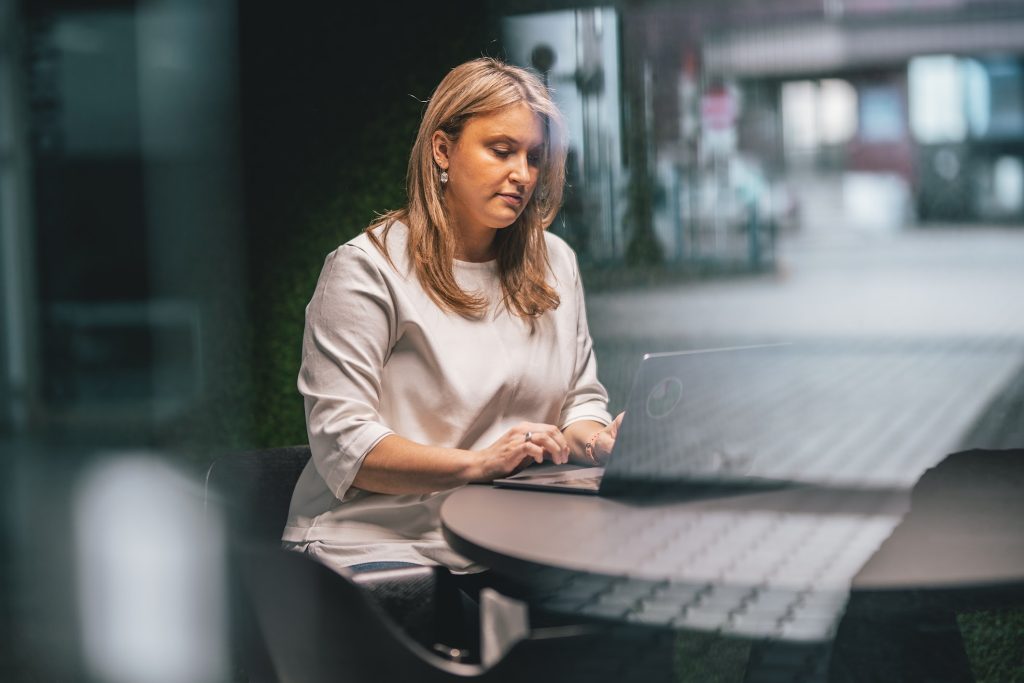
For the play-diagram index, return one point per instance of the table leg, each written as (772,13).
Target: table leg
(777,662)
(874,643)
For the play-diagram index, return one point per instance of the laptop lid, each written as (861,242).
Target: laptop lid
(690,420)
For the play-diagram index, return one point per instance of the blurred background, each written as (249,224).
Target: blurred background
(844,174)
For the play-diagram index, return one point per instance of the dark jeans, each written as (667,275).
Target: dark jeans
(378,566)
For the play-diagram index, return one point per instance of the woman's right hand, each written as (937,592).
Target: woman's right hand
(526,443)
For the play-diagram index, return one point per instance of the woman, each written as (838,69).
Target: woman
(448,343)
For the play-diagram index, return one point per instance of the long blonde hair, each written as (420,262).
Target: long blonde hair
(478,88)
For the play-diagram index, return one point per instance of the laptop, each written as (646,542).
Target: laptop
(690,421)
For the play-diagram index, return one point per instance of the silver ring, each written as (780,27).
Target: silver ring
(527,437)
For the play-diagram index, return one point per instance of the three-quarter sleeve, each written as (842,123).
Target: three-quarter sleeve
(587,398)
(350,323)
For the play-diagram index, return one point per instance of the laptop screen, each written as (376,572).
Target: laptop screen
(737,415)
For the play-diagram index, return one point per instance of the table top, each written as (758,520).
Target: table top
(778,563)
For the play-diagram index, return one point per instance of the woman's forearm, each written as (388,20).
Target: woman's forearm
(397,465)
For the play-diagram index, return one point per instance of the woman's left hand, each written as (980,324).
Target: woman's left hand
(605,441)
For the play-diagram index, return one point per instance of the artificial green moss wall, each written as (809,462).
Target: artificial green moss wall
(289,281)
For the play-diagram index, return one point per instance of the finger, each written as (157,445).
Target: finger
(523,464)
(534,451)
(562,442)
(558,446)
(559,453)
(559,438)
(613,429)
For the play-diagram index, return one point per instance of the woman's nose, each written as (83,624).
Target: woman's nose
(520,172)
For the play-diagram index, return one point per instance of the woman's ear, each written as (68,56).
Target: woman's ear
(440,146)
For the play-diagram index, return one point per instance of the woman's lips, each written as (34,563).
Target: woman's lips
(512,199)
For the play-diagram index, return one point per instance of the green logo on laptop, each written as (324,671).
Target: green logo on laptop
(664,397)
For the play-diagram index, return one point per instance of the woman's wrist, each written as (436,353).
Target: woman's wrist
(588,448)
(579,434)
(470,469)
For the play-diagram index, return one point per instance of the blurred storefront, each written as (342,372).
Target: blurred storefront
(577,51)
(731,124)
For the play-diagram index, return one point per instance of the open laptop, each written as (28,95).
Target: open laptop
(691,420)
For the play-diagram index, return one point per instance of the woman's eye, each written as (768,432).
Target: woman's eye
(533,159)
(503,153)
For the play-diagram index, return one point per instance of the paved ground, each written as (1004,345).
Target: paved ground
(953,297)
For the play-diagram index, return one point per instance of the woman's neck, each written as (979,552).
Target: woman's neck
(476,248)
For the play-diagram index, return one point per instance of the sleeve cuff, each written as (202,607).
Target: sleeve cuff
(344,473)
(580,413)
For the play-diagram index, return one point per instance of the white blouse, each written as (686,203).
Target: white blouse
(380,357)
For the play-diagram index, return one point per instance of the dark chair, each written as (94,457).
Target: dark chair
(319,626)
(322,628)
(254,490)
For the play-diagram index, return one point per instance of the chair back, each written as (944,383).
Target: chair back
(255,488)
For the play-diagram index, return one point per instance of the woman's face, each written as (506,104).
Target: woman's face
(492,168)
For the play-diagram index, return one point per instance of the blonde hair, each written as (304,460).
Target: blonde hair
(479,88)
